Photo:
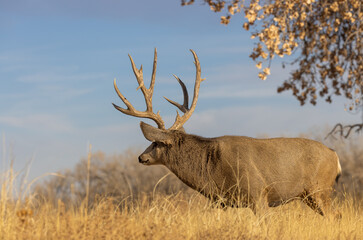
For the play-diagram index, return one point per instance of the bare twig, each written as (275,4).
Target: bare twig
(345,131)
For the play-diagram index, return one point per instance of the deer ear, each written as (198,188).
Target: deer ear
(182,129)
(154,134)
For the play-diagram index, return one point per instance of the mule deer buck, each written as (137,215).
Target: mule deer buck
(235,171)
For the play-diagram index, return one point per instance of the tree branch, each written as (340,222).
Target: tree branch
(345,131)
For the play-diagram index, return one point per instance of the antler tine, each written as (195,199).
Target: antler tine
(152,82)
(184,108)
(147,96)
(130,108)
(148,93)
(180,120)
(138,73)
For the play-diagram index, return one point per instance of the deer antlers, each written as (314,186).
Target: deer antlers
(148,92)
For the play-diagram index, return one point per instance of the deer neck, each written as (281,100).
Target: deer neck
(188,160)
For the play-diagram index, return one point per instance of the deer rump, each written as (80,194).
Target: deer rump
(235,170)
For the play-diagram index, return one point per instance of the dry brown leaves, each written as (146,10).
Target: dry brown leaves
(326,35)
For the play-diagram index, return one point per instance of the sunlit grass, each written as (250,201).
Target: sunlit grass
(175,217)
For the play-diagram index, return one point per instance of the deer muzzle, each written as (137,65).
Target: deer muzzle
(143,160)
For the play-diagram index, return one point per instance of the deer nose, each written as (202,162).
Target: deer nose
(140,160)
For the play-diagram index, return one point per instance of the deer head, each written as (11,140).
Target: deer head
(160,137)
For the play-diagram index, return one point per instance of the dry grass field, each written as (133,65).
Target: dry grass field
(175,217)
(113,197)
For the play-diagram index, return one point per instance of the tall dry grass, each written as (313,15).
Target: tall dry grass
(176,217)
(114,197)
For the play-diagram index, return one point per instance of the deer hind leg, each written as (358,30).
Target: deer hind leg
(320,202)
(311,201)
(324,199)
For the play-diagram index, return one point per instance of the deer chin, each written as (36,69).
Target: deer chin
(147,162)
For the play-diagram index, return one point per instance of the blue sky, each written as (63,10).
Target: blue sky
(58,60)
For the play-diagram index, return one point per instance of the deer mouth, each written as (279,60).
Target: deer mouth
(144,162)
